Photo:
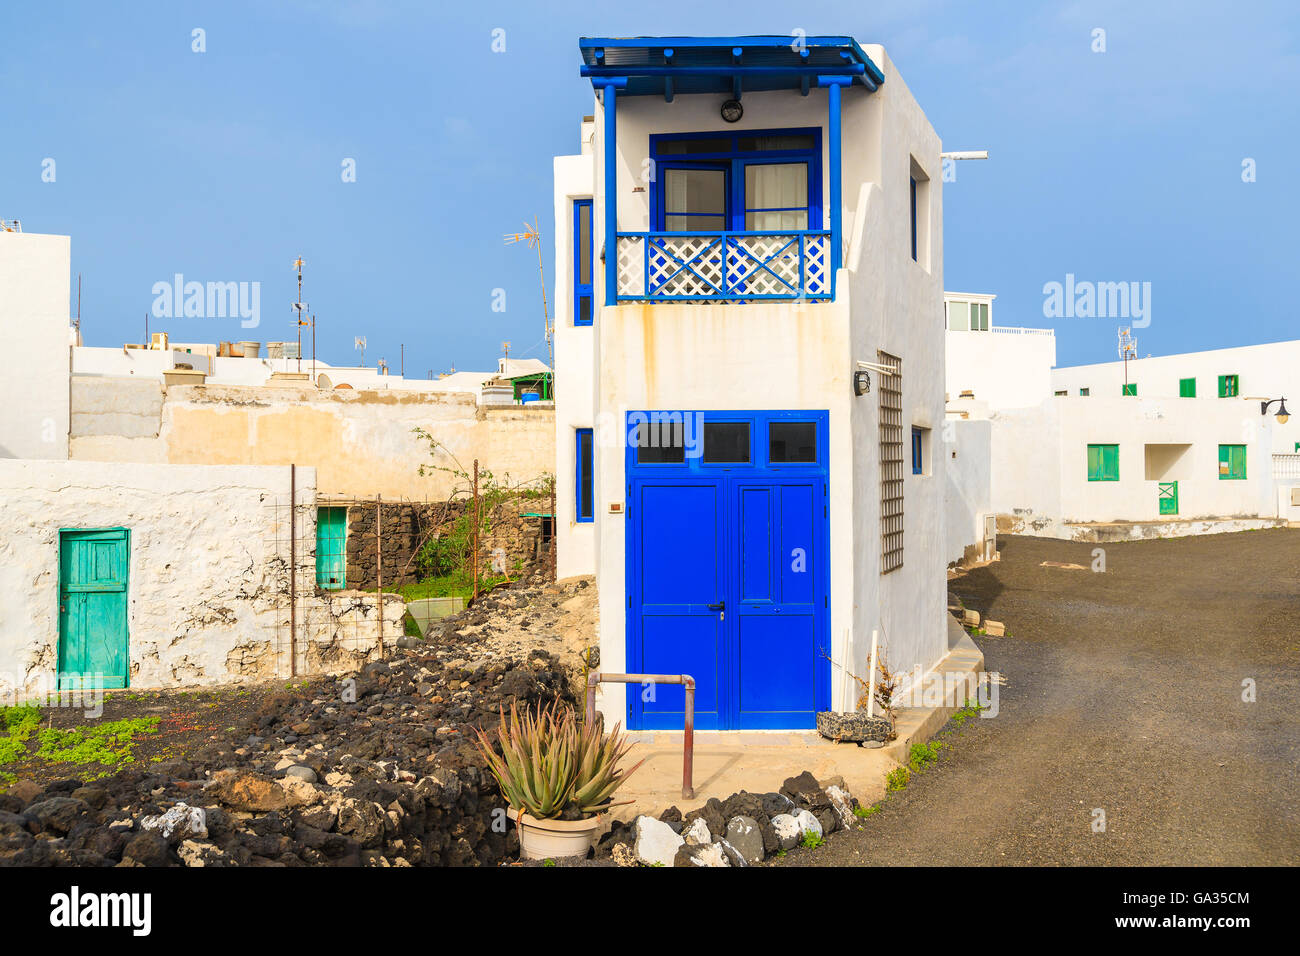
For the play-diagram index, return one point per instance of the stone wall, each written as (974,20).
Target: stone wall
(362,443)
(513,540)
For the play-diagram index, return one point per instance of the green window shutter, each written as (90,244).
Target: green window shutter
(1103,462)
(1130,389)
(1187,388)
(1232,462)
(1228,386)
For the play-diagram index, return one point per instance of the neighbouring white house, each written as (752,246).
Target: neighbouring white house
(142,572)
(749,263)
(1264,374)
(1078,453)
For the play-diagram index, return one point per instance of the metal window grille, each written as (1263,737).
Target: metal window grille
(891,464)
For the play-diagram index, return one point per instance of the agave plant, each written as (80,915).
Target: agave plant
(547,764)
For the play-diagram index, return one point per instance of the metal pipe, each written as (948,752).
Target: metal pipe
(688,741)
(293,570)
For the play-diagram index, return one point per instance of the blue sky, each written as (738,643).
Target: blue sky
(1117,166)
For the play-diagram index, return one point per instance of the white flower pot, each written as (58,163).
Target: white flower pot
(548,839)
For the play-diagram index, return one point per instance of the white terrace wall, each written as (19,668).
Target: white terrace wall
(362,443)
(34,271)
(208,586)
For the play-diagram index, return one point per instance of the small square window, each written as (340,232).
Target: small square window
(1130,388)
(1229,385)
(791,442)
(726,443)
(1085,392)
(660,443)
(1187,388)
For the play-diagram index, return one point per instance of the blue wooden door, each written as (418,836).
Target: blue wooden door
(779,603)
(679,587)
(93,643)
(727,584)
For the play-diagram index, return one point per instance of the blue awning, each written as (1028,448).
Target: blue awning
(668,65)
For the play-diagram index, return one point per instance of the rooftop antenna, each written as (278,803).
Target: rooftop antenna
(359,343)
(299,310)
(533,236)
(78,301)
(1128,347)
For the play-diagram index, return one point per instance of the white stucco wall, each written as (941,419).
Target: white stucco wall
(575,365)
(1265,372)
(1202,423)
(34,324)
(1004,368)
(968,490)
(208,587)
(1039,463)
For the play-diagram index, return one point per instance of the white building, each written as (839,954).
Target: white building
(1260,373)
(1076,453)
(750,233)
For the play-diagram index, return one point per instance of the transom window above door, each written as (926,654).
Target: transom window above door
(750,182)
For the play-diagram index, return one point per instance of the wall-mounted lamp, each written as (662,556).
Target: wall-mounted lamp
(862,381)
(732,111)
(1283,416)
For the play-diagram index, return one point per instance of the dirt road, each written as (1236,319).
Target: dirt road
(1123,694)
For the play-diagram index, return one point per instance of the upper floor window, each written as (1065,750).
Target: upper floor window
(1187,388)
(755,182)
(966,316)
(582,300)
(1229,386)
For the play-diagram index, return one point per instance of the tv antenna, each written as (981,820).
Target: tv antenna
(533,236)
(1128,347)
(359,343)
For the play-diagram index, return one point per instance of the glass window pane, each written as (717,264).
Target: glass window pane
(758,143)
(584,309)
(958,317)
(726,442)
(584,473)
(660,443)
(694,223)
(584,245)
(984,316)
(776,186)
(678,147)
(791,442)
(695,190)
(788,220)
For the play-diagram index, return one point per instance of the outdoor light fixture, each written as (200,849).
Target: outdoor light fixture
(732,111)
(862,381)
(1283,416)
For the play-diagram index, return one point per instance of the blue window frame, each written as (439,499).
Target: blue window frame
(918,463)
(752,180)
(583,473)
(582,262)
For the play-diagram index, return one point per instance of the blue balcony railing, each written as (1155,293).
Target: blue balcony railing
(724,266)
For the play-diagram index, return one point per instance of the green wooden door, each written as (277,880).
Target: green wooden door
(331,548)
(93,644)
(1168,494)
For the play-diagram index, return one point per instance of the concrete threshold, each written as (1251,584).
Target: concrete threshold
(760,761)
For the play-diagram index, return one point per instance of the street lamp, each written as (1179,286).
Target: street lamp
(1283,416)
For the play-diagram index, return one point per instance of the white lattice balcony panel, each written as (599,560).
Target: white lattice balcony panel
(723,266)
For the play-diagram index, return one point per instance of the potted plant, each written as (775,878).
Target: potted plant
(557,777)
